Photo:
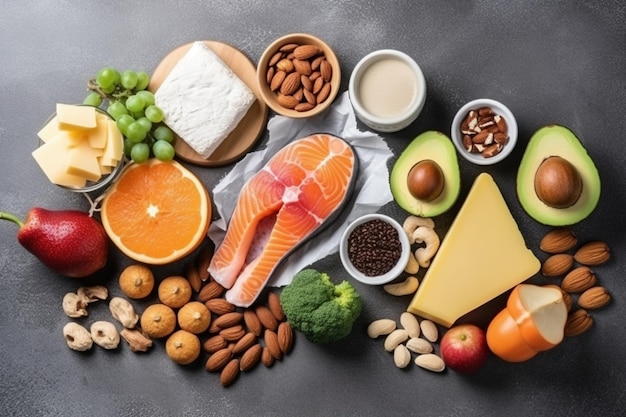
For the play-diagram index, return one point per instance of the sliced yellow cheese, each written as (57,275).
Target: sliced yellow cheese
(114,148)
(482,256)
(98,136)
(83,161)
(52,158)
(50,130)
(72,117)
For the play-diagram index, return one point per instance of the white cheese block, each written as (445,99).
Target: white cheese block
(202,99)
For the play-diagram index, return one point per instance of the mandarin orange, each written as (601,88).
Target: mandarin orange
(157,212)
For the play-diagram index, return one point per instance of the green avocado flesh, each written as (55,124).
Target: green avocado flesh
(555,140)
(437,147)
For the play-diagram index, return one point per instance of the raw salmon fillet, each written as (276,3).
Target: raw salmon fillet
(281,206)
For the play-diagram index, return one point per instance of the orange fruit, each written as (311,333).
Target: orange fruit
(174,291)
(136,281)
(183,347)
(156,212)
(158,320)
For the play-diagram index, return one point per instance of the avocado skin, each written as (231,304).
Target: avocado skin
(437,147)
(557,140)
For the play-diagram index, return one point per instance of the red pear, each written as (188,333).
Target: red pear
(69,242)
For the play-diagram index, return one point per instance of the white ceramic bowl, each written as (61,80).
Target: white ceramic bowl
(499,109)
(380,279)
(374,73)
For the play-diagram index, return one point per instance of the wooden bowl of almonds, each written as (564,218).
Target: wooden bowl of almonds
(298,75)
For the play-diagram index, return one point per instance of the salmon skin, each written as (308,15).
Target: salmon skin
(298,191)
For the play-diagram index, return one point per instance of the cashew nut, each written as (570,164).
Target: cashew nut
(412,266)
(137,341)
(93,293)
(105,334)
(77,337)
(411,224)
(408,286)
(122,310)
(74,305)
(429,237)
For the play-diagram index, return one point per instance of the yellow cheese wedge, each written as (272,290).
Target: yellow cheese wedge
(83,161)
(482,256)
(98,136)
(52,158)
(50,130)
(114,148)
(72,117)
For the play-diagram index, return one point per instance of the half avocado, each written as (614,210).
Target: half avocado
(425,180)
(557,182)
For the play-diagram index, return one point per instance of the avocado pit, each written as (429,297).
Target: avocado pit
(558,183)
(426,180)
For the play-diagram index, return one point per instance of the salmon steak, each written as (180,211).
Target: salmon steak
(302,188)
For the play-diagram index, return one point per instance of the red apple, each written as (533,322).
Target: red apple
(464,348)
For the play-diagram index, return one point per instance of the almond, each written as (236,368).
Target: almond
(266,318)
(271,342)
(192,275)
(251,357)
(275,58)
(326,70)
(288,102)
(210,290)
(302,67)
(267,358)
(270,74)
(579,279)
(277,80)
(230,372)
(578,322)
(204,259)
(288,47)
(298,95)
(252,322)
(233,334)
(593,253)
(431,362)
(273,303)
(324,93)
(214,343)
(285,337)
(310,97)
(218,360)
(219,306)
(315,64)
(557,265)
(304,107)
(244,343)
(429,330)
(567,299)
(305,51)
(594,297)
(558,241)
(306,82)
(228,319)
(291,84)
(318,83)
(285,65)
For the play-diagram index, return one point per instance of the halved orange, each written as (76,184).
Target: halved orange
(157,212)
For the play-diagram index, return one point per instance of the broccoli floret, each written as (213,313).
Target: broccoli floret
(315,306)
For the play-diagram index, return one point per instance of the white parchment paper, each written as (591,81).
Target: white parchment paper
(371,190)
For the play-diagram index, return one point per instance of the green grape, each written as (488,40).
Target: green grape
(123,122)
(106,77)
(128,79)
(135,104)
(93,99)
(145,122)
(128,145)
(108,90)
(154,113)
(147,97)
(143,79)
(163,133)
(136,132)
(117,109)
(140,152)
(163,150)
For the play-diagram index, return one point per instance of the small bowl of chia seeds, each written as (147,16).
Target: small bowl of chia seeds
(374,249)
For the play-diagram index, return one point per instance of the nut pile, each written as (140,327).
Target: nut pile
(300,75)
(579,280)
(411,337)
(484,132)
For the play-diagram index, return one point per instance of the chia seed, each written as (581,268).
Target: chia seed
(374,247)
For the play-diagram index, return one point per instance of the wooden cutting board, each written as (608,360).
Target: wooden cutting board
(247,132)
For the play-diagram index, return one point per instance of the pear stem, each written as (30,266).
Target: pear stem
(10,217)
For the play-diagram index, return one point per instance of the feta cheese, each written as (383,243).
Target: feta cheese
(202,99)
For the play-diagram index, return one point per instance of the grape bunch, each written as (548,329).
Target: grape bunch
(132,107)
